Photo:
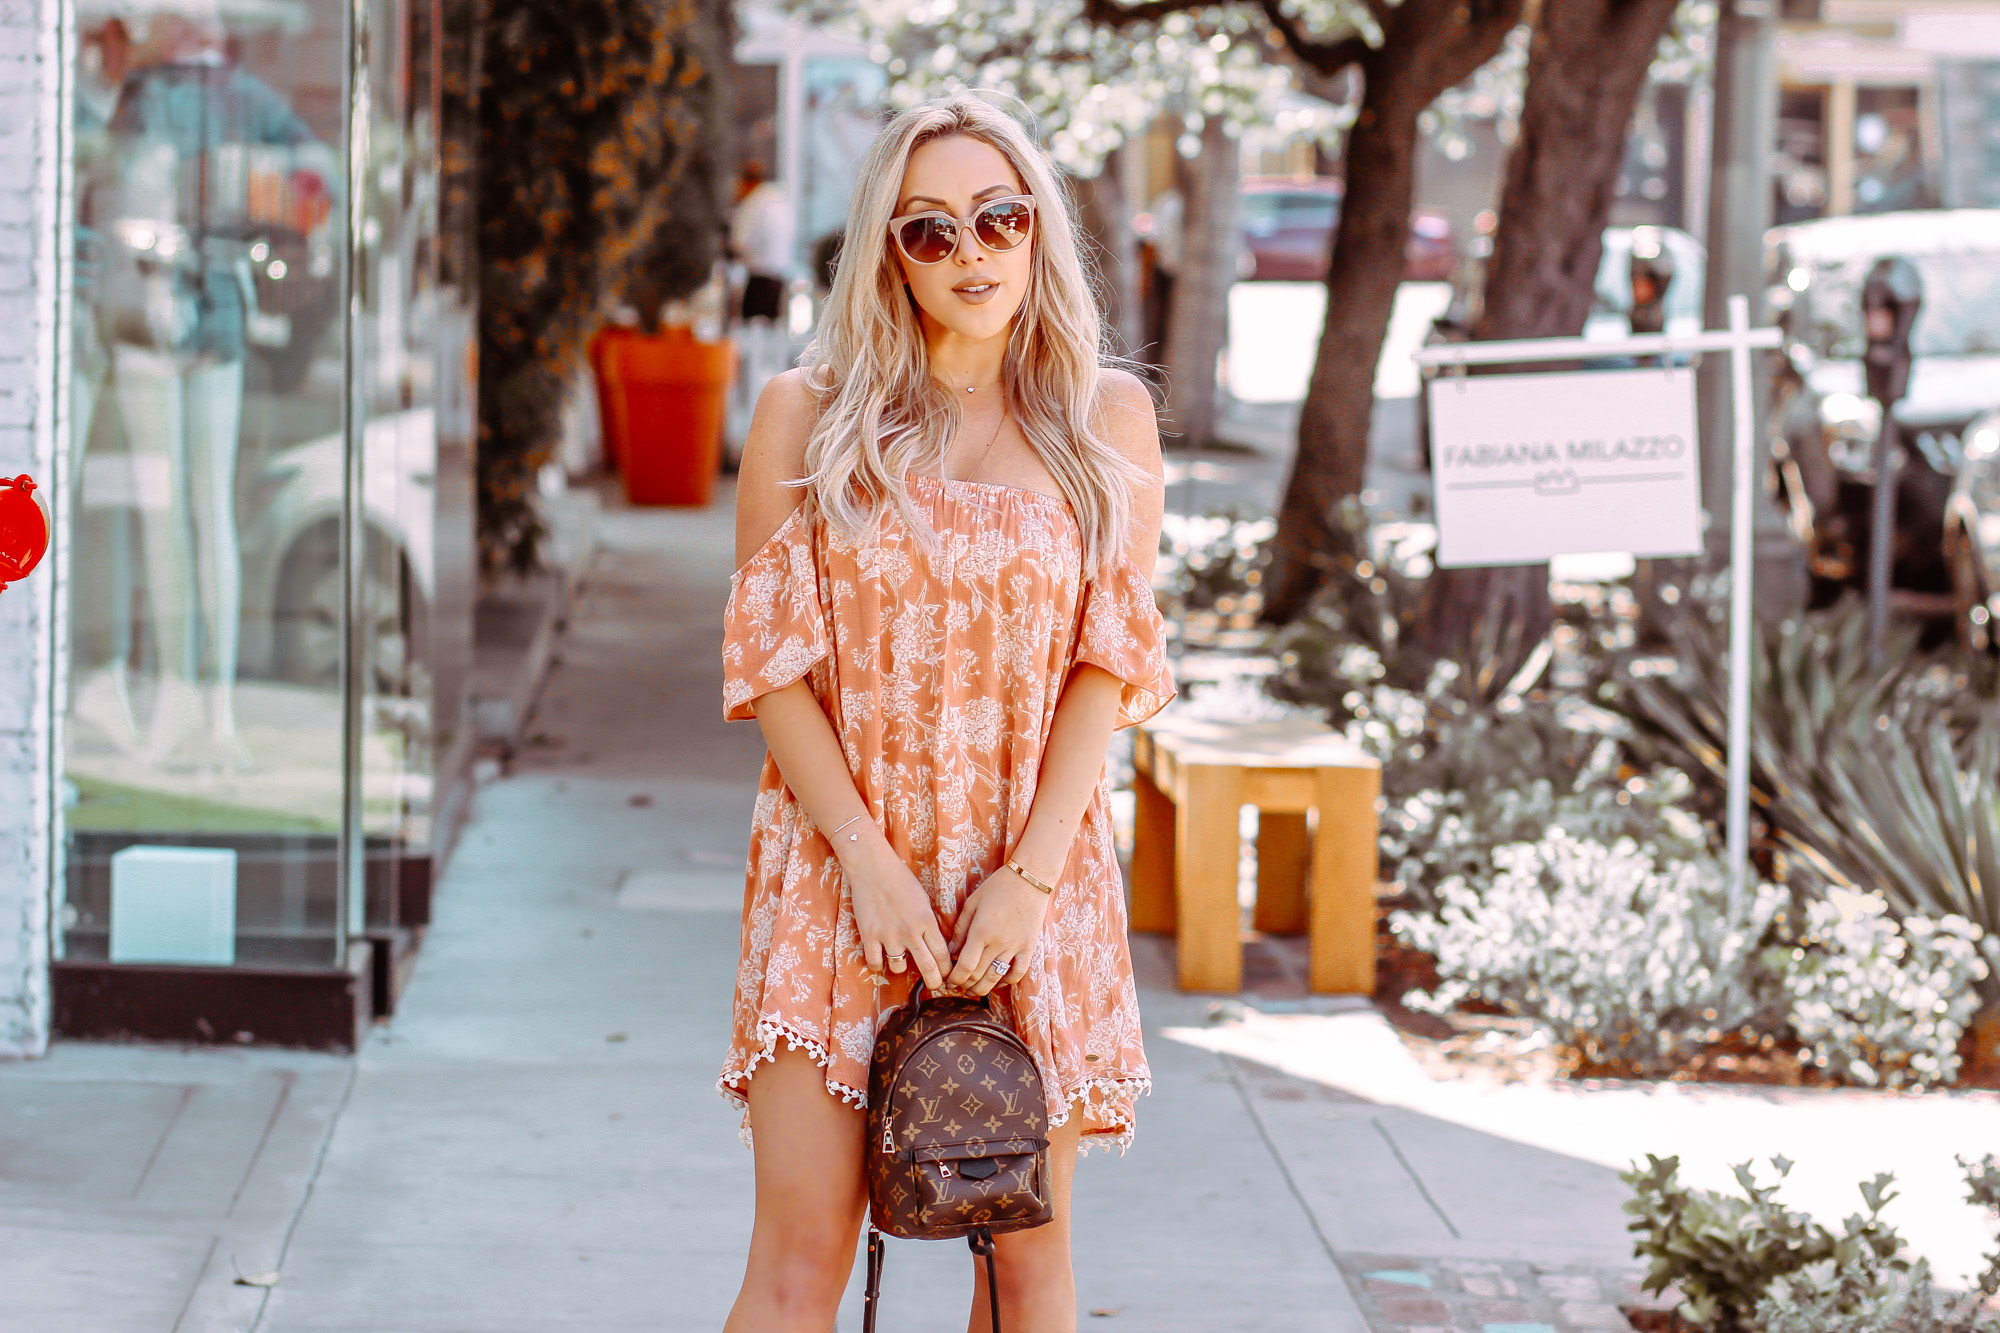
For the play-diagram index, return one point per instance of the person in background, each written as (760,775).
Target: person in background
(760,236)
(1166,242)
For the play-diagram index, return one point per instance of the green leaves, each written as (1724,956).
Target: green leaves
(1871,780)
(1751,1265)
(1724,1253)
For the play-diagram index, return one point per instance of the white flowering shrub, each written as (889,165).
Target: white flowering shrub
(1440,834)
(1626,955)
(1876,1001)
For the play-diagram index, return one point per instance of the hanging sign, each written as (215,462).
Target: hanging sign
(24,530)
(1526,467)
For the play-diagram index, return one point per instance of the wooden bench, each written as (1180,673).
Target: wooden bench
(1193,776)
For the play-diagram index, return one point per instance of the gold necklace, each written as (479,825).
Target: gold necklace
(997,426)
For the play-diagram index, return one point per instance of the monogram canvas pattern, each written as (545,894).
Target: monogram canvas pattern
(957,1138)
(940,667)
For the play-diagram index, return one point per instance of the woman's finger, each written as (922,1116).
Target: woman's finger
(934,938)
(1018,973)
(992,975)
(871,955)
(975,960)
(962,974)
(899,960)
(927,964)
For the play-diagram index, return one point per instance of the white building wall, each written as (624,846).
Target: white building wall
(30,180)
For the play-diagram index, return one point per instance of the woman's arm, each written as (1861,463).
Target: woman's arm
(1003,917)
(891,911)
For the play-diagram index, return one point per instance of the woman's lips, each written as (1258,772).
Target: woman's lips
(976,293)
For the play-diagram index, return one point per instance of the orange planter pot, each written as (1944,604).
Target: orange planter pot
(663,398)
(610,414)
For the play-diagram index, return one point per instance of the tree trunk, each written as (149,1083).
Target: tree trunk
(1199,322)
(1586,66)
(1104,206)
(1428,45)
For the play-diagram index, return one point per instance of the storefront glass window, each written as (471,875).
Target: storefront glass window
(250,514)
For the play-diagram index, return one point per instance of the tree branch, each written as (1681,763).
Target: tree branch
(1112,14)
(1322,57)
(1317,54)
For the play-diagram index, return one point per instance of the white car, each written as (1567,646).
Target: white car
(291,555)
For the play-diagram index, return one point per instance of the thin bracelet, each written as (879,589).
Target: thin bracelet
(1043,885)
(852,837)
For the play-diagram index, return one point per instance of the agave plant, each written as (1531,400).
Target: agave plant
(1872,779)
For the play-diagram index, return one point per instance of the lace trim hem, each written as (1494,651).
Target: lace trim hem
(1109,1101)
(770,1031)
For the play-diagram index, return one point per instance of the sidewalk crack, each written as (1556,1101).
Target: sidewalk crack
(180,1108)
(312,1181)
(1415,1179)
(285,1080)
(1270,1146)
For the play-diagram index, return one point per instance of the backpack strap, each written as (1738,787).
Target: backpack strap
(981,1242)
(872,1295)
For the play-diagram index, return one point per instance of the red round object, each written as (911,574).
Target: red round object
(24,529)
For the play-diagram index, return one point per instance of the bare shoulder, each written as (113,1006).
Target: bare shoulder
(783,422)
(774,456)
(1129,420)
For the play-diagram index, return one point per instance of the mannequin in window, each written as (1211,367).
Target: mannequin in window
(202,149)
(99,677)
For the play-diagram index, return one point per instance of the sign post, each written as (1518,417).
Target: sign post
(1576,462)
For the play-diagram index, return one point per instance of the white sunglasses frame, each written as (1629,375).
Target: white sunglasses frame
(964,225)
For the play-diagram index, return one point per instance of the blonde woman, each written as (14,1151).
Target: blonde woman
(945,523)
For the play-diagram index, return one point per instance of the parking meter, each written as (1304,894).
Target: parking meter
(1890,300)
(1652,272)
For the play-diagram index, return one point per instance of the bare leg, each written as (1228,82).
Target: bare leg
(1037,1286)
(811,1197)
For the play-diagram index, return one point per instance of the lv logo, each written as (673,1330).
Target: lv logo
(930,1105)
(1013,1100)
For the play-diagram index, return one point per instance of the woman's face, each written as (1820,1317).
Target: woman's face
(975,291)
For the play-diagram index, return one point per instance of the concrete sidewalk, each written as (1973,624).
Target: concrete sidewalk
(536,1144)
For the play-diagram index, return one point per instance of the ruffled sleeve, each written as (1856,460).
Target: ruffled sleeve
(774,631)
(1120,630)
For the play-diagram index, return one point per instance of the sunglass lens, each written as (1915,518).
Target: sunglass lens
(929,240)
(1003,226)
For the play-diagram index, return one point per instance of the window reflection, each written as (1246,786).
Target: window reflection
(211,459)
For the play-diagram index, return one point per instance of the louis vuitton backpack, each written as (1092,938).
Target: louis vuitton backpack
(957,1134)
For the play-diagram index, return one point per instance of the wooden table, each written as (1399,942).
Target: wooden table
(1193,776)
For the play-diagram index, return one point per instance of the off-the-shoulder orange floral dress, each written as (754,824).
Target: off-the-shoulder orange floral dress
(940,671)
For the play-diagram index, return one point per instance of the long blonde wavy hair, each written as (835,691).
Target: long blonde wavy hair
(883,416)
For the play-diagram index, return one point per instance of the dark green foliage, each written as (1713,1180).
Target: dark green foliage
(1751,1265)
(1881,780)
(1723,1252)
(601,175)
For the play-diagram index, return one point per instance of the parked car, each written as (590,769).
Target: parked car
(1288,225)
(1972,535)
(1816,270)
(291,556)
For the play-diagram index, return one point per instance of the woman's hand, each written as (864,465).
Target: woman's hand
(1001,922)
(893,914)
